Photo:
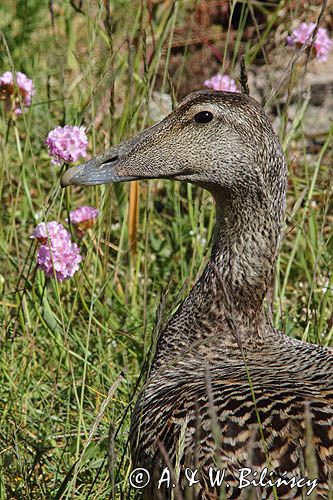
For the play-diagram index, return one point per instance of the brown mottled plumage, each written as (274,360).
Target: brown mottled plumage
(226,390)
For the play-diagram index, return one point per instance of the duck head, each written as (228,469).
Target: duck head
(221,141)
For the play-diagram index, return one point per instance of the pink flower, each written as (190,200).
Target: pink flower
(50,230)
(67,144)
(83,218)
(57,255)
(60,261)
(221,82)
(16,91)
(83,214)
(322,45)
(302,35)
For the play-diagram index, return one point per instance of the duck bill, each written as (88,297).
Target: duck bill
(99,170)
(151,154)
(123,162)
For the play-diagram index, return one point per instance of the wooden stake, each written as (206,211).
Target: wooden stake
(133,216)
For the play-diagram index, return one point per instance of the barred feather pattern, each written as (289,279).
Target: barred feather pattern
(227,425)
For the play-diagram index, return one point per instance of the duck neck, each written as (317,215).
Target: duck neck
(232,288)
(245,245)
(226,304)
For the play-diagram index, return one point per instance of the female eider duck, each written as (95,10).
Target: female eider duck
(232,407)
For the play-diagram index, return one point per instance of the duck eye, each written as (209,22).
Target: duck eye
(203,117)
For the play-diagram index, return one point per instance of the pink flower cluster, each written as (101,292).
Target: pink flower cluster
(16,92)
(83,214)
(302,35)
(221,82)
(67,144)
(83,218)
(57,255)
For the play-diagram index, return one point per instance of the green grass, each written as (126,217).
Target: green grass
(72,352)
